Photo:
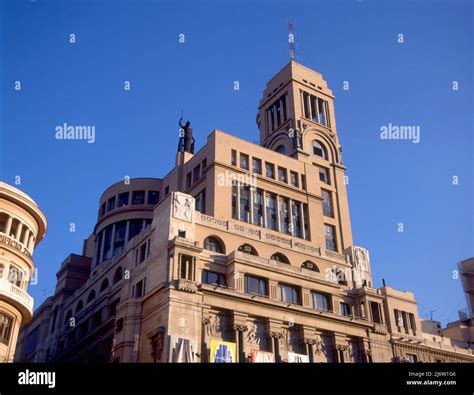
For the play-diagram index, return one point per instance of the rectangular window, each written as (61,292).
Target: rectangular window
(197,173)
(233,158)
(321,301)
(330,235)
(235,213)
(412,321)
(289,294)
(102,209)
(245,203)
(294,179)
(271,211)
(315,108)
(119,239)
(411,358)
(257,165)
(138,197)
(327,203)
(111,203)
(296,216)
(284,215)
(282,176)
(186,267)
(255,285)
(269,170)
(167,190)
(136,226)
(142,253)
(345,309)
(153,197)
(15,275)
(376,312)
(204,165)
(324,175)
(213,278)
(244,161)
(200,201)
(123,199)
(258,208)
(139,289)
(108,243)
(189,180)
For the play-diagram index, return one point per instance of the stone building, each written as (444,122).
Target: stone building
(22,227)
(242,252)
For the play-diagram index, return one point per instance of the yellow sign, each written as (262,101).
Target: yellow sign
(223,352)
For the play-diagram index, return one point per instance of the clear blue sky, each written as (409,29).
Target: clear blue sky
(391,182)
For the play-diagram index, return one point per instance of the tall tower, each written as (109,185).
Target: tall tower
(22,227)
(296,118)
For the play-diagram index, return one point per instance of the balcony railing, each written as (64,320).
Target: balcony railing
(187,285)
(16,294)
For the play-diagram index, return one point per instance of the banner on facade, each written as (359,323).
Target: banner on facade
(297,358)
(262,356)
(223,352)
(182,349)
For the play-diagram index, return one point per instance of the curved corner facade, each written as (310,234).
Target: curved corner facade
(22,227)
(125,209)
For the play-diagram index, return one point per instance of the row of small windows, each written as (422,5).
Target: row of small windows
(196,174)
(282,173)
(215,244)
(111,240)
(404,320)
(270,211)
(315,108)
(118,275)
(277,113)
(123,199)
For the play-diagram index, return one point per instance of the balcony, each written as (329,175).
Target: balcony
(18,298)
(187,285)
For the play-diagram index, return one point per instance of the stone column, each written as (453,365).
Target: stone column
(31,241)
(251,202)
(127,232)
(239,330)
(18,231)
(264,209)
(8,226)
(275,342)
(204,355)
(303,231)
(309,343)
(277,198)
(24,241)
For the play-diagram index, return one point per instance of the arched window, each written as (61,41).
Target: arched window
(308,265)
(68,317)
(320,150)
(104,285)
(118,275)
(79,306)
(215,244)
(248,249)
(91,296)
(279,257)
(281,149)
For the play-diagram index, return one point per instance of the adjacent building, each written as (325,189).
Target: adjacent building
(22,227)
(241,253)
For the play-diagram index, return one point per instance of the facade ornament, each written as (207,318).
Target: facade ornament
(252,334)
(276,335)
(217,326)
(240,327)
(361,259)
(183,207)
